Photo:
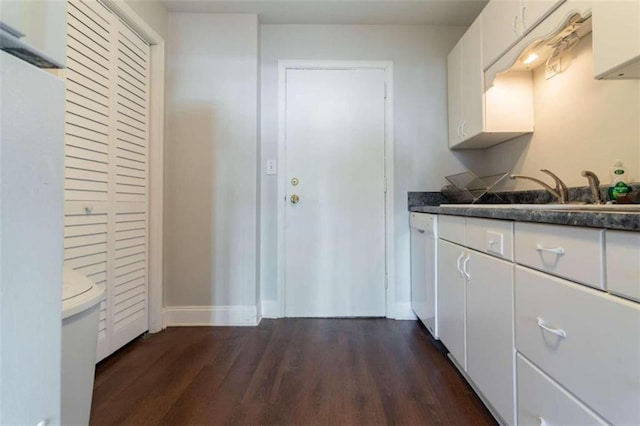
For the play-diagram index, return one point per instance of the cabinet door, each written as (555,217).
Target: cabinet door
(451,303)
(454,90)
(534,11)
(490,346)
(472,81)
(502,27)
(623,263)
(616,39)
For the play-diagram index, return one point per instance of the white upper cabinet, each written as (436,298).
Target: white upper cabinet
(478,119)
(466,86)
(502,30)
(510,20)
(39,23)
(616,39)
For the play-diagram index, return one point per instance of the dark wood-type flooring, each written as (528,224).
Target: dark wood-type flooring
(285,372)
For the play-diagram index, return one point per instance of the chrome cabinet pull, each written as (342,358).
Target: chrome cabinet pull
(557,331)
(558,250)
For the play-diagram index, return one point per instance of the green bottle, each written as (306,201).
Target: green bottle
(619,187)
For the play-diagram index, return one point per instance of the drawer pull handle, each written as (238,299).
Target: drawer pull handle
(558,250)
(557,331)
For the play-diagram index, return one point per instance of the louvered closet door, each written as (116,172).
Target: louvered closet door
(130,301)
(87,147)
(106,167)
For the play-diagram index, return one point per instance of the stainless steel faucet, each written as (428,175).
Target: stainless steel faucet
(594,185)
(560,192)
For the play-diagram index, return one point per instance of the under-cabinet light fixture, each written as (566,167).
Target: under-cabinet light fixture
(532,57)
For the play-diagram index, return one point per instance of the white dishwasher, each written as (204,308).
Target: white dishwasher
(424,263)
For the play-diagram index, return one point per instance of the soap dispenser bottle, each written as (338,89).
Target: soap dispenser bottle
(619,187)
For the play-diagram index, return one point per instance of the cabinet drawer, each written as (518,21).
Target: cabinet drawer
(567,251)
(623,263)
(597,359)
(542,401)
(494,237)
(451,228)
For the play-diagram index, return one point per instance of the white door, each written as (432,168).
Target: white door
(106,167)
(334,162)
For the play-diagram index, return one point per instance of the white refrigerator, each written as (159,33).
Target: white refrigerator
(31,212)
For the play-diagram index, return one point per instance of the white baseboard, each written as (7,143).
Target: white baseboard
(403,311)
(211,316)
(270,309)
(164,318)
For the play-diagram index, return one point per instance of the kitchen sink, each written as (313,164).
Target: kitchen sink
(631,208)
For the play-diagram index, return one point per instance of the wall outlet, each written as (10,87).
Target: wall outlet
(495,243)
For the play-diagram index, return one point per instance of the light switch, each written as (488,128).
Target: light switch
(495,243)
(272,167)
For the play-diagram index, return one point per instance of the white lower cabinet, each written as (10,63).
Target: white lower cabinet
(541,401)
(490,348)
(475,310)
(587,340)
(538,342)
(451,303)
(570,252)
(623,263)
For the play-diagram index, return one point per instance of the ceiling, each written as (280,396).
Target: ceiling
(365,12)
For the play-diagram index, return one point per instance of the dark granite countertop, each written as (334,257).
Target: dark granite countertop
(628,221)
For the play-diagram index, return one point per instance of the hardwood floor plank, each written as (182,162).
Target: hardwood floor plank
(285,372)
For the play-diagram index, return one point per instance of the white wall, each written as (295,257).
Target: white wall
(422,158)
(580,123)
(210,168)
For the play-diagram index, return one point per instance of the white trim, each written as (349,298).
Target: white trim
(132,19)
(403,311)
(164,317)
(156,187)
(211,316)
(268,309)
(156,157)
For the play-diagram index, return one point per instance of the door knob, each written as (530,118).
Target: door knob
(294,199)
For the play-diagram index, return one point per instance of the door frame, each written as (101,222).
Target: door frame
(387,67)
(155,299)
